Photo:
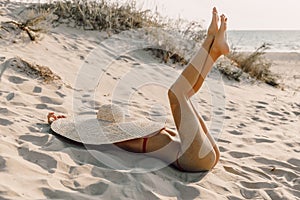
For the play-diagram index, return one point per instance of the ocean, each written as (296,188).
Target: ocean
(280,40)
(242,40)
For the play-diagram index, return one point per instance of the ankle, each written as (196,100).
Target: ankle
(214,53)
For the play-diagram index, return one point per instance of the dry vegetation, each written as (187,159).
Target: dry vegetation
(101,15)
(173,40)
(254,64)
(34,71)
(30,22)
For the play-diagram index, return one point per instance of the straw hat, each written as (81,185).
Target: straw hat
(109,127)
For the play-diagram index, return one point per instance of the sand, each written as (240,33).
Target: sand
(257,126)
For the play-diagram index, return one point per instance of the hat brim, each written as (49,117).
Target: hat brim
(96,132)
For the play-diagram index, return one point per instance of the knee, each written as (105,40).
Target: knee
(175,94)
(197,165)
(208,162)
(171,94)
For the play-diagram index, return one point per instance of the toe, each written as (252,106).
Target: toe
(215,10)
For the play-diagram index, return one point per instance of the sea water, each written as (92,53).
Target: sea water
(248,40)
(279,40)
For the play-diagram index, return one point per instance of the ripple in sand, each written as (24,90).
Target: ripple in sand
(44,161)
(259,185)
(249,194)
(294,161)
(256,171)
(236,172)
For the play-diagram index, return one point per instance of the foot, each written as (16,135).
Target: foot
(220,45)
(213,27)
(52,117)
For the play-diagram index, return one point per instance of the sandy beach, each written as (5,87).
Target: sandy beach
(256,126)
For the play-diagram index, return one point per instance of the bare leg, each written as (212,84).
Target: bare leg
(212,30)
(198,151)
(211,139)
(211,33)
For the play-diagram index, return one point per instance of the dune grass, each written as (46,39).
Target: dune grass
(101,15)
(253,63)
(173,40)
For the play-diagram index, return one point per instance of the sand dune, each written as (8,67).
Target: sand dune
(257,127)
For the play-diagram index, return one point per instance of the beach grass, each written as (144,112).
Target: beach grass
(253,63)
(173,39)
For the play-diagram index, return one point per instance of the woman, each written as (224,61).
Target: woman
(197,150)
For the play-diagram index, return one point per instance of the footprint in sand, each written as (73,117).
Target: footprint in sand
(218,113)
(126,58)
(39,141)
(44,161)
(53,101)
(114,176)
(237,154)
(10,96)
(266,129)
(222,149)
(274,113)
(235,132)
(296,113)
(185,191)
(5,122)
(4,111)
(61,95)
(81,57)
(231,109)
(16,80)
(263,103)
(37,89)
(257,119)
(224,141)
(260,107)
(262,140)
(2,164)
(94,189)
(241,125)
(42,106)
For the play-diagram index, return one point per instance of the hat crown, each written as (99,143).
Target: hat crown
(111,113)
